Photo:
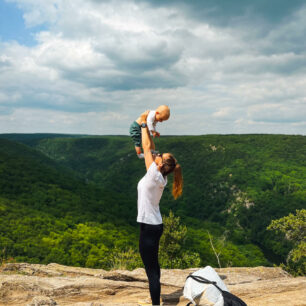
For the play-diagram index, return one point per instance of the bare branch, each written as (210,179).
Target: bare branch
(212,245)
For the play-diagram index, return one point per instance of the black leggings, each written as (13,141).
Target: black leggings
(148,248)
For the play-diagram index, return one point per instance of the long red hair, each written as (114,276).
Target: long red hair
(171,165)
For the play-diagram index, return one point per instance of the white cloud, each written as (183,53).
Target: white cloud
(24,120)
(293,113)
(114,59)
(223,113)
(37,12)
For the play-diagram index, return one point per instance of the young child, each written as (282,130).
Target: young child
(161,114)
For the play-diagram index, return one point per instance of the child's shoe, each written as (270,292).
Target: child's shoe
(140,155)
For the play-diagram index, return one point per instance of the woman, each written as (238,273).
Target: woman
(150,189)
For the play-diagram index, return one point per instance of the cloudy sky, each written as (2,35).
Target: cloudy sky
(91,67)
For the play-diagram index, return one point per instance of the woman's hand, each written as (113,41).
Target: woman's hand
(144,116)
(155,134)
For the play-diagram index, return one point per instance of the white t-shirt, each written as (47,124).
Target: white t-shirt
(151,121)
(150,189)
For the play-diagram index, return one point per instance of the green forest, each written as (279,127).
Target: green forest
(72,199)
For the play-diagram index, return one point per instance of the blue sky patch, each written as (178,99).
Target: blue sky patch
(12,26)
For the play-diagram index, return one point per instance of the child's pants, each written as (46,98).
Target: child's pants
(135,132)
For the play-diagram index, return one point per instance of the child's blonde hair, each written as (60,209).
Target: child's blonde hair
(164,110)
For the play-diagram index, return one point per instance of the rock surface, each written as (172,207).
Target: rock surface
(54,284)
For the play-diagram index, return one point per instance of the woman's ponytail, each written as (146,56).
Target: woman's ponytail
(170,165)
(177,187)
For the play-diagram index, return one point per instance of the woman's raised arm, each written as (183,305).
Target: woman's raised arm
(147,142)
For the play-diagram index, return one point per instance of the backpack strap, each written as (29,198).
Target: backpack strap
(203,280)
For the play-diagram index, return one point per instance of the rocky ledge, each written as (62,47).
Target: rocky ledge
(54,284)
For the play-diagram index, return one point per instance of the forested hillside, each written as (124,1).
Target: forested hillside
(73,195)
(47,214)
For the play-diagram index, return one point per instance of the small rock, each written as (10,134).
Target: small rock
(109,291)
(42,301)
(113,275)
